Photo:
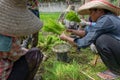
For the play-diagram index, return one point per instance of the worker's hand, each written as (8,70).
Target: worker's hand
(70,24)
(93,48)
(84,23)
(63,36)
(72,31)
(69,30)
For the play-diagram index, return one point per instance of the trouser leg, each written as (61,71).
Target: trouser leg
(26,67)
(109,51)
(20,70)
(34,61)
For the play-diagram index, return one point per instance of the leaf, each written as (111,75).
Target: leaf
(54,27)
(72,16)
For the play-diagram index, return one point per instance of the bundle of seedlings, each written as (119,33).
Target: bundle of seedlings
(54,27)
(72,16)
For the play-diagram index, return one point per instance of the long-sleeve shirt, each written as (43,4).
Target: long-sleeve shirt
(107,24)
(88,28)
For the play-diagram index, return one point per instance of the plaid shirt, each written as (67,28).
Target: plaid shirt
(8,58)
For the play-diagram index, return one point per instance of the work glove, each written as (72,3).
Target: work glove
(84,23)
(93,48)
(70,24)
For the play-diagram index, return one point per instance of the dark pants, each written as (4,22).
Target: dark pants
(109,51)
(26,67)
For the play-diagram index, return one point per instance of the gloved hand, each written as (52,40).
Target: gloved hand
(66,23)
(70,24)
(93,48)
(84,23)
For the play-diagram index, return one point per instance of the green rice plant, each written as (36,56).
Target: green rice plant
(48,41)
(45,16)
(65,71)
(54,27)
(72,16)
(54,70)
(41,37)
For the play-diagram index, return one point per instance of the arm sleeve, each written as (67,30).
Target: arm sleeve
(103,25)
(87,28)
(93,24)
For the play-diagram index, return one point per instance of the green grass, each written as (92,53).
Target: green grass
(64,71)
(45,16)
(79,67)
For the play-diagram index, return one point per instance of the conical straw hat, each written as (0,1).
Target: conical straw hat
(16,19)
(102,4)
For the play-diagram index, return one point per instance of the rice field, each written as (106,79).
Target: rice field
(79,67)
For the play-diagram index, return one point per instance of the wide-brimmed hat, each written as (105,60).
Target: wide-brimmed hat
(16,19)
(101,4)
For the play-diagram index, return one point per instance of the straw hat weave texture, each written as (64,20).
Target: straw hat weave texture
(101,4)
(16,19)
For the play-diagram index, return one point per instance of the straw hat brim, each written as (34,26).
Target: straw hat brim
(17,20)
(84,10)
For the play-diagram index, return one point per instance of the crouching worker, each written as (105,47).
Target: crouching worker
(17,63)
(105,35)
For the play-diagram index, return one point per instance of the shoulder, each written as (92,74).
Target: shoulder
(104,20)
(107,18)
